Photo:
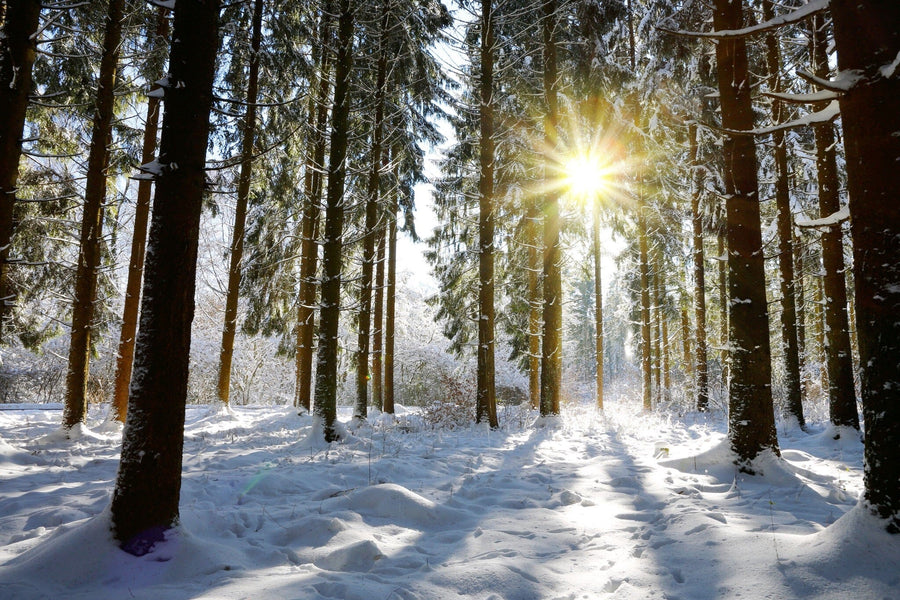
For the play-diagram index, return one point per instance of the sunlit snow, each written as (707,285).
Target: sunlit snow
(625,505)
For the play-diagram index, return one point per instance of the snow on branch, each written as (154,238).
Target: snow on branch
(843,82)
(826,115)
(830,221)
(822,96)
(802,13)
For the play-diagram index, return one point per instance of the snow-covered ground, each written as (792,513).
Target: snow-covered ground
(623,505)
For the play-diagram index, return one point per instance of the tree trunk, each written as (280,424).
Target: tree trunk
(702,368)
(223,386)
(309,250)
(838,352)
(664,334)
(125,355)
(486,401)
(18,49)
(598,309)
(871,117)
(369,232)
(535,303)
(148,484)
(551,355)
(87,271)
(378,326)
(327,357)
(644,267)
(751,413)
(390,299)
(790,349)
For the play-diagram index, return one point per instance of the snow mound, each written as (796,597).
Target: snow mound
(357,557)
(720,462)
(62,436)
(394,503)
(60,564)
(9,454)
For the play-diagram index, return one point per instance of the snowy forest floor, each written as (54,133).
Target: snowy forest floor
(623,505)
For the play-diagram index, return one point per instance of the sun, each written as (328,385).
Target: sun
(586,176)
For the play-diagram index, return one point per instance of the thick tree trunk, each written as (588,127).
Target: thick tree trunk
(87,271)
(551,355)
(223,385)
(125,355)
(871,117)
(18,49)
(790,349)
(145,500)
(838,352)
(327,356)
(486,400)
(701,371)
(370,229)
(751,413)
(598,309)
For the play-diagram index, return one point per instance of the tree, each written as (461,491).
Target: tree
(18,48)
(486,401)
(326,358)
(551,349)
(701,371)
(92,223)
(145,499)
(790,346)
(751,418)
(125,355)
(371,219)
(317,142)
(870,109)
(838,354)
(223,386)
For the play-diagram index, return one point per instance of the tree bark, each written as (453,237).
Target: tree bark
(87,271)
(751,413)
(18,50)
(838,352)
(790,347)
(223,385)
(551,352)
(125,355)
(702,368)
(870,113)
(148,484)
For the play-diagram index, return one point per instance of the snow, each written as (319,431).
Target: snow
(624,505)
(830,221)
